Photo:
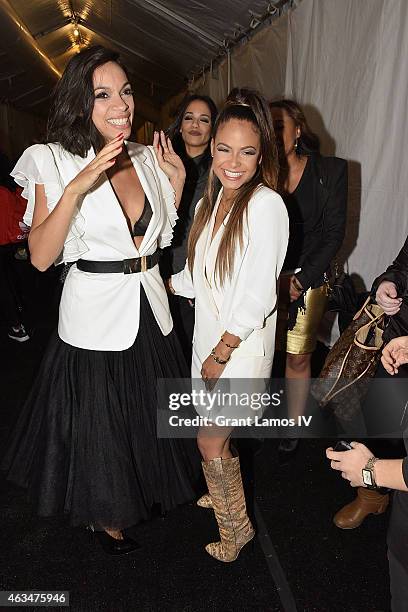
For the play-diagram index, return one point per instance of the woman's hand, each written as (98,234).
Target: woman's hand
(168,286)
(350,463)
(105,159)
(395,354)
(295,288)
(211,371)
(386,297)
(169,161)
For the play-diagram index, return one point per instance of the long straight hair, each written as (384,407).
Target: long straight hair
(244,105)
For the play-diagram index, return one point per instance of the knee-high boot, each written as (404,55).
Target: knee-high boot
(223,477)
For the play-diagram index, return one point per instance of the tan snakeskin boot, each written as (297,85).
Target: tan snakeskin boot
(205,501)
(223,477)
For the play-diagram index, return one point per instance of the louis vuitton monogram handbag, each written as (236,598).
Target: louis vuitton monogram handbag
(351,362)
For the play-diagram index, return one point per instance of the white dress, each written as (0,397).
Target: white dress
(246,305)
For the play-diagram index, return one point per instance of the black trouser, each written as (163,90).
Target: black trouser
(183,315)
(8,300)
(398,584)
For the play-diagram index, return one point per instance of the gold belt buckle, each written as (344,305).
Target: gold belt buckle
(143,263)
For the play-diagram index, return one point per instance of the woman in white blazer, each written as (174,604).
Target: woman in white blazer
(237,246)
(86,442)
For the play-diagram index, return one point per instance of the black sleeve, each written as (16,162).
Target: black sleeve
(397,273)
(405,470)
(334,225)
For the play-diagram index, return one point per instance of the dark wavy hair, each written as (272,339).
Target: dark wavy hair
(308,141)
(173,132)
(70,118)
(246,105)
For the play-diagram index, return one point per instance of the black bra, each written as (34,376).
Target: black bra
(141,225)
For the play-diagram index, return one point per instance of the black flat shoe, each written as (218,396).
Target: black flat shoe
(113,546)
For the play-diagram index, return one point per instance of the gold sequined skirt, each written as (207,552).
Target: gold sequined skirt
(303,337)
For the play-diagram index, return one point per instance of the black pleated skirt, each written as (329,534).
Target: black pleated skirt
(86,442)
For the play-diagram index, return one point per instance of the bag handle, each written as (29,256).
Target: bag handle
(368,313)
(349,383)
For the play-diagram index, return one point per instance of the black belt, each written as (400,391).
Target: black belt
(126,266)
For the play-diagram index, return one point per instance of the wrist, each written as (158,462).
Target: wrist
(177,181)
(217,358)
(378,472)
(369,475)
(222,351)
(169,286)
(297,284)
(71,193)
(230,342)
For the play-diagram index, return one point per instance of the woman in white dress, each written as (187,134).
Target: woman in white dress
(86,442)
(236,249)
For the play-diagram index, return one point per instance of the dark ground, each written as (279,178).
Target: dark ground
(299,555)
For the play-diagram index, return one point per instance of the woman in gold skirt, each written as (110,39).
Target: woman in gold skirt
(314,189)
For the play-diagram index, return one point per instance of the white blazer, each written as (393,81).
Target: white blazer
(101,311)
(246,305)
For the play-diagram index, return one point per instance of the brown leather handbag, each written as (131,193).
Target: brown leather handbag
(351,362)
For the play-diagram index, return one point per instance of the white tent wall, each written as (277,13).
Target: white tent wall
(347,65)
(259,63)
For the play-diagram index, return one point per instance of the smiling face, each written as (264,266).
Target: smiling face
(114,106)
(196,127)
(237,151)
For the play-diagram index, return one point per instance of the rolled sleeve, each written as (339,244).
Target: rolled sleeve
(268,228)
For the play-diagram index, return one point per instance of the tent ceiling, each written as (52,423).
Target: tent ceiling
(161,41)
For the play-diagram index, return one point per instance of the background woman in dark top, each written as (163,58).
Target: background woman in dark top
(314,189)
(190,134)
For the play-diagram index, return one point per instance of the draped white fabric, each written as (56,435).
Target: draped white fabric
(347,63)
(260,64)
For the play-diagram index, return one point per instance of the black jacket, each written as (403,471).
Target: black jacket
(329,221)
(397,273)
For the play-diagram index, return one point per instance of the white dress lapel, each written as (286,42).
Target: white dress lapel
(146,173)
(210,251)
